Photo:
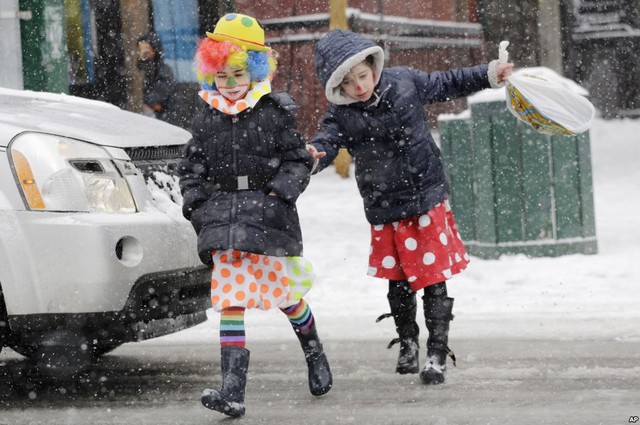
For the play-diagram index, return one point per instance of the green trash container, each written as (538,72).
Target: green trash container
(44,46)
(516,191)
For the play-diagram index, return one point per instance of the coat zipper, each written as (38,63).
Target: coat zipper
(234,169)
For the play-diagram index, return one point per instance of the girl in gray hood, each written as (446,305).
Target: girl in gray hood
(377,115)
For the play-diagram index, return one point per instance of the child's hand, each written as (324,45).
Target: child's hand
(504,70)
(315,155)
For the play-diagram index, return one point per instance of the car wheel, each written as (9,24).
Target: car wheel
(59,354)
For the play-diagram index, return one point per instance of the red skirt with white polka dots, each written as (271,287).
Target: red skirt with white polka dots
(424,249)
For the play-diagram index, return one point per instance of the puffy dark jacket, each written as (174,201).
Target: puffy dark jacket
(159,84)
(262,141)
(398,167)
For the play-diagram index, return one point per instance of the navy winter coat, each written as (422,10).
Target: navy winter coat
(159,84)
(398,167)
(262,141)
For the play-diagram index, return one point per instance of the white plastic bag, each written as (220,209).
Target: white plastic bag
(546,102)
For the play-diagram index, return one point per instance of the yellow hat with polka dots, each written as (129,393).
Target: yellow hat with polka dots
(239,29)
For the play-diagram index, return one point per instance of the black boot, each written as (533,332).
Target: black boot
(437,313)
(230,399)
(320,378)
(402,301)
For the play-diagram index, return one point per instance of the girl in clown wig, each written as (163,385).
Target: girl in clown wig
(240,177)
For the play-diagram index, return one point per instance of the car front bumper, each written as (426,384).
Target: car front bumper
(86,262)
(158,304)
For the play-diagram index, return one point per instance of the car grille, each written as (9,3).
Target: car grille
(158,158)
(159,165)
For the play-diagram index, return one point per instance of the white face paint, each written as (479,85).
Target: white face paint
(233,83)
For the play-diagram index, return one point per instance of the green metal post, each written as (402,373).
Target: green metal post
(44,46)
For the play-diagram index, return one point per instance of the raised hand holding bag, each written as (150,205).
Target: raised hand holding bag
(547,102)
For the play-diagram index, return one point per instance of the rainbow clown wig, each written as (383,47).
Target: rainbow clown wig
(212,56)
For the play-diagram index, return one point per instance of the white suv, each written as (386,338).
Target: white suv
(92,253)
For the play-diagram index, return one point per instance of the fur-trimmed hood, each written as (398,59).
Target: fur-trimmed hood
(335,55)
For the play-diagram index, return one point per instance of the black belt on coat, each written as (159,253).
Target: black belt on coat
(249,182)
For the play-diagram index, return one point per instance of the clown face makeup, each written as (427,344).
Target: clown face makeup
(359,82)
(233,83)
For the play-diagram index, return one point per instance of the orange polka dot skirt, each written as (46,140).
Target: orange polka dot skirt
(243,279)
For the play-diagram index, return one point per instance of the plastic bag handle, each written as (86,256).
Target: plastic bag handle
(503,55)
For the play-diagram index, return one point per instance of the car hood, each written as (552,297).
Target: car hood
(90,120)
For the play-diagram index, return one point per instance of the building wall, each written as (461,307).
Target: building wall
(513,21)
(447,10)
(593,42)
(603,54)
(605,63)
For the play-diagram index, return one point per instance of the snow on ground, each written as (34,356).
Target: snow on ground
(569,297)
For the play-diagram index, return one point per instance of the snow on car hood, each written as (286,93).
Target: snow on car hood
(90,120)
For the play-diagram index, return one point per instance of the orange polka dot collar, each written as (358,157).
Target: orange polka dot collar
(224,105)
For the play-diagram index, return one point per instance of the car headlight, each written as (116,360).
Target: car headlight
(61,174)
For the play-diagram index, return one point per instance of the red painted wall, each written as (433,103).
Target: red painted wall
(418,9)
